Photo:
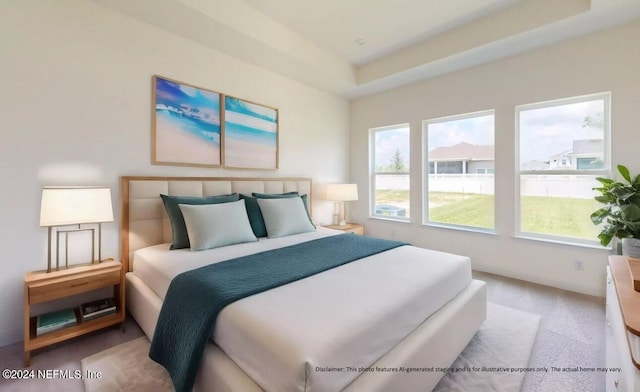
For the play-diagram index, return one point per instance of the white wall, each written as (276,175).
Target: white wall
(75,108)
(606,61)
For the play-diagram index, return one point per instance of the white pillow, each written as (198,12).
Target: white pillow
(285,216)
(214,225)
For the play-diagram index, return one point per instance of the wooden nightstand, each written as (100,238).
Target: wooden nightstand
(349,228)
(41,286)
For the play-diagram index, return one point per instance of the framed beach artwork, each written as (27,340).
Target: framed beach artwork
(186,124)
(250,135)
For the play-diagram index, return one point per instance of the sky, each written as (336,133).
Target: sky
(544,132)
(388,141)
(472,130)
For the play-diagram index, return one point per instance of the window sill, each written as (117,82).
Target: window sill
(390,219)
(461,228)
(567,242)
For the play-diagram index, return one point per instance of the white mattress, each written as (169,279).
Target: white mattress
(286,338)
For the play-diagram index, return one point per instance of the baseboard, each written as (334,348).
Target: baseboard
(545,282)
(10,337)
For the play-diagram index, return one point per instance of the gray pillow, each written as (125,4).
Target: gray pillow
(285,216)
(179,237)
(214,225)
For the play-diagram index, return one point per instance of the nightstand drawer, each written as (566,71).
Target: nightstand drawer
(63,287)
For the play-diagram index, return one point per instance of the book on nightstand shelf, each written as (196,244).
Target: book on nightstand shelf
(98,308)
(54,321)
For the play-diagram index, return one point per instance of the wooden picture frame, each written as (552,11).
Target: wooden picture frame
(186,124)
(250,135)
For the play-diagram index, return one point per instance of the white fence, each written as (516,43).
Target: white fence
(462,183)
(576,186)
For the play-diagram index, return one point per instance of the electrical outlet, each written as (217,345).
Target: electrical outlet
(578,265)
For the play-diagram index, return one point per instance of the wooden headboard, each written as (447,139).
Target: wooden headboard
(144,221)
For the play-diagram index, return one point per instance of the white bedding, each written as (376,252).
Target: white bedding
(345,317)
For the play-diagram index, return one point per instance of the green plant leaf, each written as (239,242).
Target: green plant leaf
(624,193)
(630,212)
(598,217)
(606,199)
(605,238)
(621,210)
(605,181)
(630,228)
(624,172)
(622,234)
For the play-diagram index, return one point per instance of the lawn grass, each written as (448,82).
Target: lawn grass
(392,196)
(462,209)
(561,216)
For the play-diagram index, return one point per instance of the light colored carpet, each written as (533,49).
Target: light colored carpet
(571,332)
(504,342)
(505,339)
(126,368)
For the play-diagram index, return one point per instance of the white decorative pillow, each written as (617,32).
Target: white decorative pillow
(214,225)
(285,216)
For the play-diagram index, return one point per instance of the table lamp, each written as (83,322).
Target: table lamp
(77,205)
(341,193)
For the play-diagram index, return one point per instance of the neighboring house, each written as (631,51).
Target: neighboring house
(462,158)
(561,161)
(585,154)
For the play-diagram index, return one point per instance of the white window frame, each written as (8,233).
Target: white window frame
(606,172)
(425,174)
(373,173)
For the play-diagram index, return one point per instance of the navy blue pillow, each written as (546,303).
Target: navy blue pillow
(281,196)
(255,215)
(274,195)
(178,227)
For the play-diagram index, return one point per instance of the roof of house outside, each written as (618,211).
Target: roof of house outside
(560,155)
(588,146)
(591,147)
(463,152)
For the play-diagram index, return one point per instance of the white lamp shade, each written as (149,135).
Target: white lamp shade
(342,192)
(75,205)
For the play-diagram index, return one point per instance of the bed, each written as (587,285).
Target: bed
(339,340)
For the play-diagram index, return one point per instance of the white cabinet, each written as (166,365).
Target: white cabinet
(619,340)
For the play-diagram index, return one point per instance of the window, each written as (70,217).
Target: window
(555,201)
(448,167)
(461,163)
(389,159)
(589,163)
(485,171)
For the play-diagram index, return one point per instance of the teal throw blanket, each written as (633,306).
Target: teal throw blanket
(195,297)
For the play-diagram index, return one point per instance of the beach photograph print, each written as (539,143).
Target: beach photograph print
(250,135)
(186,124)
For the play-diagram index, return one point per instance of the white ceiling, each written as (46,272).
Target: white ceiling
(405,40)
(385,25)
